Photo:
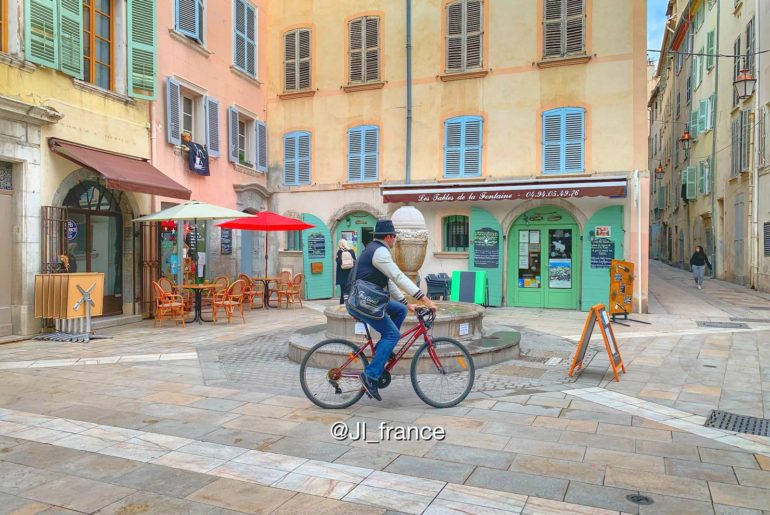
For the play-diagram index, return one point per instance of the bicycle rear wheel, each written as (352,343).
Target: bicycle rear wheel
(326,379)
(448,382)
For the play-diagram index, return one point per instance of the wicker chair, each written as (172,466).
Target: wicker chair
(284,280)
(293,293)
(169,305)
(220,284)
(170,287)
(229,300)
(250,291)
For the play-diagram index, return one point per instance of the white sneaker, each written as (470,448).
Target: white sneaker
(700,287)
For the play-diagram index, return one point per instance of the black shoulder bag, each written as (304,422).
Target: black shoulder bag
(366,298)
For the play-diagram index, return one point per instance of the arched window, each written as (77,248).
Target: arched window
(92,196)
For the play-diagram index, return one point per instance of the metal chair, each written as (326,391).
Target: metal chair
(437,287)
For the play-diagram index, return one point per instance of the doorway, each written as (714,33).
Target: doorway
(358,230)
(94,233)
(544,260)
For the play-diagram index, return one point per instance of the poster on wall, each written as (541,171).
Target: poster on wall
(352,238)
(486,248)
(226,241)
(560,273)
(602,231)
(602,252)
(316,246)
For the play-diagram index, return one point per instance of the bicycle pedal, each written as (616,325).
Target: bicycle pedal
(367,393)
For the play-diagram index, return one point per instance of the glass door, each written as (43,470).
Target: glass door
(562,286)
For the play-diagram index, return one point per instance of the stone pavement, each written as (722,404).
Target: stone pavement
(209,419)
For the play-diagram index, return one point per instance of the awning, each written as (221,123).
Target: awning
(122,172)
(509,190)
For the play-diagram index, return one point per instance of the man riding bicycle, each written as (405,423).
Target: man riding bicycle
(376,265)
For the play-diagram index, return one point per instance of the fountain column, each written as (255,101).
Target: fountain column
(411,241)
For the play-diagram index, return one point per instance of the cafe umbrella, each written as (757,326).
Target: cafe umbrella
(269,222)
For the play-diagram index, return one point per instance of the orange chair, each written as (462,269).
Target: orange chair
(250,291)
(169,287)
(220,284)
(229,300)
(283,283)
(167,304)
(293,293)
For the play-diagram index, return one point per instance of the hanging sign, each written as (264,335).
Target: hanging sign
(621,288)
(602,252)
(226,241)
(71,228)
(598,314)
(486,248)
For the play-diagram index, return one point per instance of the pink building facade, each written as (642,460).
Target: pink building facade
(211,106)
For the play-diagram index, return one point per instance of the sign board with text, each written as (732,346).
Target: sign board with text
(598,315)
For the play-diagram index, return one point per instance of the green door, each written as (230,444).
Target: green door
(358,229)
(544,260)
(318,253)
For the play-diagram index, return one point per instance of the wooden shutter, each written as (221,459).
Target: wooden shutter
(745,140)
(41,41)
(552,23)
(239,43)
(251,40)
(703,116)
(574,140)
(700,178)
(142,49)
(261,146)
(454,37)
(355,158)
(453,152)
(187,18)
(290,61)
(71,37)
(691,182)
(574,31)
(473,34)
(552,141)
(356,42)
(472,134)
(710,49)
(694,122)
(173,115)
(297,65)
(303,158)
(212,126)
(290,159)
(372,46)
(371,149)
(232,135)
(303,57)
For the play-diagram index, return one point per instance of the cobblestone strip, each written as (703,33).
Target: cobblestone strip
(404,493)
(673,418)
(96,360)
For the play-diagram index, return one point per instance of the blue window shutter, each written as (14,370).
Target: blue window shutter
(232,134)
(472,135)
(303,158)
(553,141)
(251,40)
(212,126)
(574,140)
(173,117)
(261,161)
(371,152)
(290,159)
(453,151)
(355,147)
(239,46)
(188,17)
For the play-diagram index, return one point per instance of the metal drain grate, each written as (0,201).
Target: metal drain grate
(639,499)
(723,325)
(738,423)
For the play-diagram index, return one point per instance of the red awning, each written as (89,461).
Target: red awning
(126,173)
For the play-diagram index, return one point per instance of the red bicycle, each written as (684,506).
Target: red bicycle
(442,369)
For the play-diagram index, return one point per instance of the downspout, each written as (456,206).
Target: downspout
(638,199)
(712,164)
(408,91)
(755,168)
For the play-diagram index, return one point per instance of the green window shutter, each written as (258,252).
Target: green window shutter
(700,178)
(261,146)
(691,183)
(710,49)
(694,123)
(41,31)
(71,37)
(703,116)
(707,176)
(232,135)
(142,49)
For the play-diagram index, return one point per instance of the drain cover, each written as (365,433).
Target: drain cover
(756,320)
(738,423)
(762,308)
(723,325)
(639,499)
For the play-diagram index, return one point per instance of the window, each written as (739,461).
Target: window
(363,153)
(187,110)
(464,36)
(736,66)
(297,65)
(97,42)
(563,140)
(689,181)
(710,49)
(294,240)
(247,140)
(456,233)
(364,50)
(245,46)
(563,28)
(189,19)
(462,146)
(698,68)
(678,104)
(748,63)
(689,90)
(766,232)
(740,149)
(296,158)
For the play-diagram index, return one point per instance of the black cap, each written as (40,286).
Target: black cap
(384,228)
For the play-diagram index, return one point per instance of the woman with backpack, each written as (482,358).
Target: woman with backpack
(346,260)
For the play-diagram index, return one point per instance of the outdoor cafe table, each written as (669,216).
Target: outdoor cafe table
(198,289)
(266,281)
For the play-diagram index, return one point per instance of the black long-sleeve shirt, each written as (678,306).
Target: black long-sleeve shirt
(700,259)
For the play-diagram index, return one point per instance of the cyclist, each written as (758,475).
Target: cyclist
(376,265)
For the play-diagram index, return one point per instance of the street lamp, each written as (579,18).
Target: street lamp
(659,171)
(744,84)
(686,140)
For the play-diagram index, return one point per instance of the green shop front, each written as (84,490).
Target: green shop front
(542,243)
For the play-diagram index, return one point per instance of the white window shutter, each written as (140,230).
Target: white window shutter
(552,142)
(261,145)
(574,32)
(173,115)
(212,126)
(453,148)
(372,44)
(552,28)
(232,134)
(454,37)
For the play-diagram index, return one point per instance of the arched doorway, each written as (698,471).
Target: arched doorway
(358,229)
(95,238)
(544,259)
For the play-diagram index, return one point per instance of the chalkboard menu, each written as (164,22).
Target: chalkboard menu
(316,246)
(226,241)
(486,248)
(602,252)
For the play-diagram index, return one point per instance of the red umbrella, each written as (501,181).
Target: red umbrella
(267,221)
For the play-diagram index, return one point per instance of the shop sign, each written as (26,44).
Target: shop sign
(316,246)
(71,229)
(602,252)
(513,192)
(602,231)
(486,248)
(226,241)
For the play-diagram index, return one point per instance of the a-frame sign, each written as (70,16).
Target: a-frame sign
(598,313)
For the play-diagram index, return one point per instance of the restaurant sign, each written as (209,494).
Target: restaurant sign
(428,193)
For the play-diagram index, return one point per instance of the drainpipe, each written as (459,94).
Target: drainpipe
(755,168)
(713,164)
(408,91)
(638,201)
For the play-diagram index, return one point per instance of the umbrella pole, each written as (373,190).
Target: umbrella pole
(266,254)
(180,252)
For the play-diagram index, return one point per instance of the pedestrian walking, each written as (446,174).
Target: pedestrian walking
(346,259)
(698,263)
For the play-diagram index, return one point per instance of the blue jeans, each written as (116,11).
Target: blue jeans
(389,328)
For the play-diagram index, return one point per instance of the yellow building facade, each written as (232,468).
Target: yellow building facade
(524,117)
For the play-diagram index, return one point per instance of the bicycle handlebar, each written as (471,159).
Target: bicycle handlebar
(426,316)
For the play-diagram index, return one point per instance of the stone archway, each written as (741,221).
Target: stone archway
(248,252)
(348,209)
(521,208)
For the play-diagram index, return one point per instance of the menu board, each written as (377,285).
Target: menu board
(226,241)
(602,252)
(621,287)
(486,248)
(316,246)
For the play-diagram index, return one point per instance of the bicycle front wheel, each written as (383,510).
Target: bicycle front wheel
(442,375)
(329,374)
